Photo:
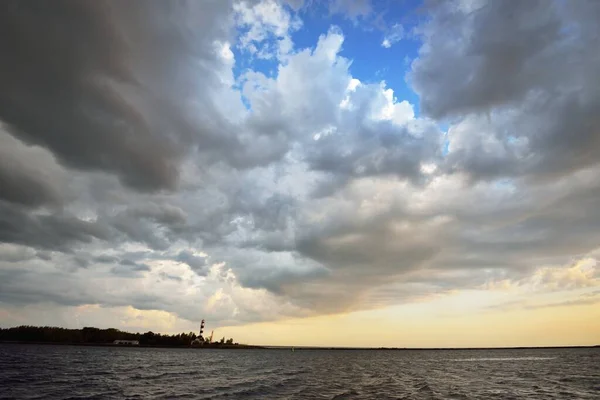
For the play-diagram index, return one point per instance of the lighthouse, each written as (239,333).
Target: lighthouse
(199,341)
(201,331)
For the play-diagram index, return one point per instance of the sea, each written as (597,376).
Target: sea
(81,372)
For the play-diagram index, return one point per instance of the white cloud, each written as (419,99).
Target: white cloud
(394,35)
(265,21)
(397,112)
(352,9)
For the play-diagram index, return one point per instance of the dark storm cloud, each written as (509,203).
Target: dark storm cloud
(375,149)
(51,231)
(127,262)
(63,231)
(128,268)
(22,287)
(44,255)
(275,280)
(16,254)
(375,247)
(273,271)
(500,47)
(81,262)
(28,175)
(164,214)
(107,85)
(362,256)
(121,267)
(525,69)
(268,213)
(106,259)
(156,225)
(196,263)
(21,187)
(131,262)
(142,233)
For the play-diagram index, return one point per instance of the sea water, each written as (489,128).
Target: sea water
(77,372)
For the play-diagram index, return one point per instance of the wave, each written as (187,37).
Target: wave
(472,359)
(58,372)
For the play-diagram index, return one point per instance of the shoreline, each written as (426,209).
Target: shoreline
(158,346)
(300,348)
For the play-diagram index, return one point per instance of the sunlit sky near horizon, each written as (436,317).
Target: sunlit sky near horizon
(301,172)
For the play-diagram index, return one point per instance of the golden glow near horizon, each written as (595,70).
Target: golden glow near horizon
(439,323)
(557,306)
(552,307)
(473,318)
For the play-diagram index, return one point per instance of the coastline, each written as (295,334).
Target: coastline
(431,348)
(301,348)
(158,346)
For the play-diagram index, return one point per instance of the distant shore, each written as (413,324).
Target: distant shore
(156,346)
(301,348)
(428,348)
(111,337)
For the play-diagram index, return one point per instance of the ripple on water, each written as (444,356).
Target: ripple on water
(60,372)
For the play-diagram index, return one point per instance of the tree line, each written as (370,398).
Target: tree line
(50,334)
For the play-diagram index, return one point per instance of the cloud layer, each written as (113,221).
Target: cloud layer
(140,166)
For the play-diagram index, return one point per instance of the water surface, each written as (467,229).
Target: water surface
(72,372)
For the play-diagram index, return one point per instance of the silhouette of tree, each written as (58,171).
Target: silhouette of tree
(48,334)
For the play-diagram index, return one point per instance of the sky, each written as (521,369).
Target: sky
(303,172)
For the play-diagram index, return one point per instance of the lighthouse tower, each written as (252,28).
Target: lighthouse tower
(201,331)
(199,341)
